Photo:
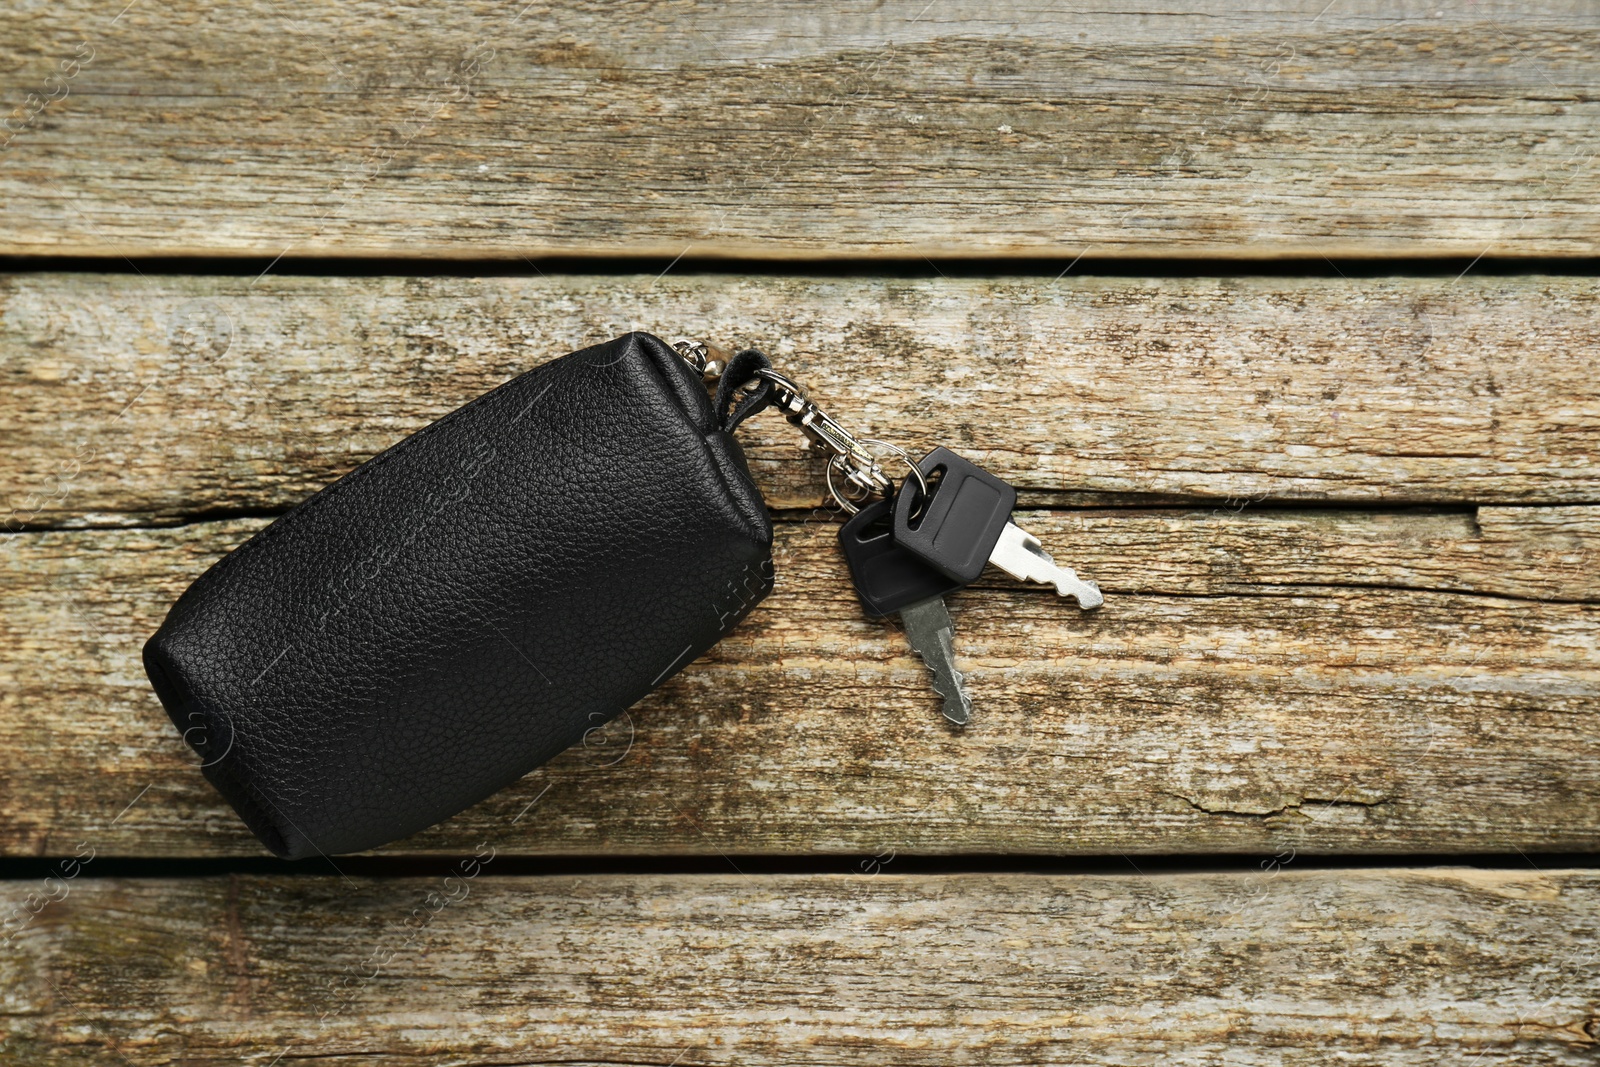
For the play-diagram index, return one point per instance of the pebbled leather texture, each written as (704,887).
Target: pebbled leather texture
(469,603)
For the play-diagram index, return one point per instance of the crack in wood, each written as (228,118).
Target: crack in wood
(1295,806)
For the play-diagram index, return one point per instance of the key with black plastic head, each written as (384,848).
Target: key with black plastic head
(965,523)
(889,580)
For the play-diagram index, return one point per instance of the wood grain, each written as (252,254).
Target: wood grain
(1347,526)
(1389,967)
(592,127)
(136,399)
(1258,680)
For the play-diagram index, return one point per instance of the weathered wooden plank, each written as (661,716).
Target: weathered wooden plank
(1258,680)
(131,398)
(1000,128)
(1387,967)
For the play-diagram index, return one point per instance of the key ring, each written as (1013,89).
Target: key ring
(851,506)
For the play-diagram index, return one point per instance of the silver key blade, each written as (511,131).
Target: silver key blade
(928,628)
(1020,555)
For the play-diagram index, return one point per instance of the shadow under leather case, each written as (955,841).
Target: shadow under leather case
(469,603)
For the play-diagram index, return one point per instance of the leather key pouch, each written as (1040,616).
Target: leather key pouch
(469,603)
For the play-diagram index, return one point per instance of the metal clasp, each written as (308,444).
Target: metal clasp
(860,468)
(708,361)
(847,453)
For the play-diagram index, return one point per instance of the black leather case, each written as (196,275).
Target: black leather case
(464,606)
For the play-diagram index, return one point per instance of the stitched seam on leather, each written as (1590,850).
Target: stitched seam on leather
(657,355)
(727,478)
(724,476)
(757,528)
(252,806)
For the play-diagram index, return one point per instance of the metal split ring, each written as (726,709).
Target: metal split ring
(851,506)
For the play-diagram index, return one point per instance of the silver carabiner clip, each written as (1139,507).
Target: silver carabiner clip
(860,468)
(863,475)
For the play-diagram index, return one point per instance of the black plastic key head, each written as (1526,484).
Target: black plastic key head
(886,576)
(955,530)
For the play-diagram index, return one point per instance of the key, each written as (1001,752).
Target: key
(890,580)
(967,524)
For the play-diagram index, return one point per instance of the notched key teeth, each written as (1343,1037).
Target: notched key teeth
(1019,554)
(955,703)
(931,635)
(958,709)
(952,686)
(1085,592)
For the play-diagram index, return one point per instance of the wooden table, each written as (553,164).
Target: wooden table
(1283,319)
